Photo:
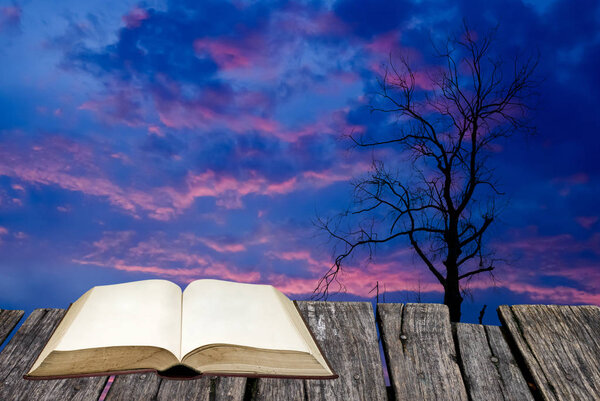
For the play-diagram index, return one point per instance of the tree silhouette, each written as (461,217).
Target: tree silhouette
(446,202)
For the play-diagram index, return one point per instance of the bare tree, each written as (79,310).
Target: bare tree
(446,203)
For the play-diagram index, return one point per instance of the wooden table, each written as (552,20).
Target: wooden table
(540,353)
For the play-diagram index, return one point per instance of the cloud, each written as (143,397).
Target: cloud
(381,15)
(54,161)
(135,17)
(10,19)
(214,77)
(223,245)
(120,106)
(586,222)
(555,294)
(229,54)
(57,161)
(159,256)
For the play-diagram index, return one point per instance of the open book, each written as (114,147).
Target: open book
(213,327)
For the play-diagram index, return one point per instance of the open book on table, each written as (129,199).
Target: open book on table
(213,327)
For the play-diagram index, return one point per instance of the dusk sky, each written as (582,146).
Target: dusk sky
(200,139)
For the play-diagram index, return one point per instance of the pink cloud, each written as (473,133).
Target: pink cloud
(384,44)
(209,184)
(398,272)
(135,17)
(229,190)
(223,247)
(121,106)
(565,184)
(10,17)
(161,203)
(185,115)
(579,178)
(70,166)
(196,114)
(360,281)
(328,177)
(553,246)
(394,270)
(121,156)
(298,20)
(100,187)
(170,258)
(156,130)
(176,273)
(227,54)
(312,265)
(557,294)
(282,187)
(334,123)
(221,271)
(586,221)
(3,231)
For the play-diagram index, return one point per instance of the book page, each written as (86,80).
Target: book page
(223,312)
(142,313)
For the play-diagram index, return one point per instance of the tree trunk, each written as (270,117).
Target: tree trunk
(454,302)
(453,299)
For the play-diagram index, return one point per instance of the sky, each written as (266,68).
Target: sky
(184,140)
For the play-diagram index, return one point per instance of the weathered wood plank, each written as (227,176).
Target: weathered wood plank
(19,354)
(204,389)
(490,371)
(346,332)
(559,346)
(279,389)
(420,352)
(8,321)
(149,386)
(140,386)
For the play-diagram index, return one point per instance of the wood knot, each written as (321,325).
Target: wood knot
(356,376)
(494,359)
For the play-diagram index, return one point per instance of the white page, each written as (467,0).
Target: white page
(223,312)
(142,313)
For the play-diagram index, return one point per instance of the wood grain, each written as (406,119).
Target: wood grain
(347,335)
(20,353)
(149,386)
(139,386)
(204,389)
(8,321)
(420,352)
(490,371)
(560,347)
(279,389)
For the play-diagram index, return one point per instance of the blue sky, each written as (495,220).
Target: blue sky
(186,140)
